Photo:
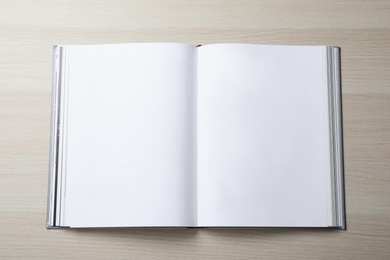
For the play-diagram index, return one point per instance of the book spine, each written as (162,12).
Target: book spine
(336,134)
(52,216)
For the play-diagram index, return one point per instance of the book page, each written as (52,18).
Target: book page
(261,136)
(130,154)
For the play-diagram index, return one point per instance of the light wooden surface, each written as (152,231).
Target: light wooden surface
(28,29)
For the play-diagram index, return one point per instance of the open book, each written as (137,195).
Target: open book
(173,135)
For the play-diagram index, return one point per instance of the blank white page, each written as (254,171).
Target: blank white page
(130,152)
(261,136)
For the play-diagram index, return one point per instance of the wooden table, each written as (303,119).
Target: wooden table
(29,29)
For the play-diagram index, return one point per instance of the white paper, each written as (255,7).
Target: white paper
(130,151)
(261,136)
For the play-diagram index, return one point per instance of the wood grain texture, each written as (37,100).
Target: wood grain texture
(29,29)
